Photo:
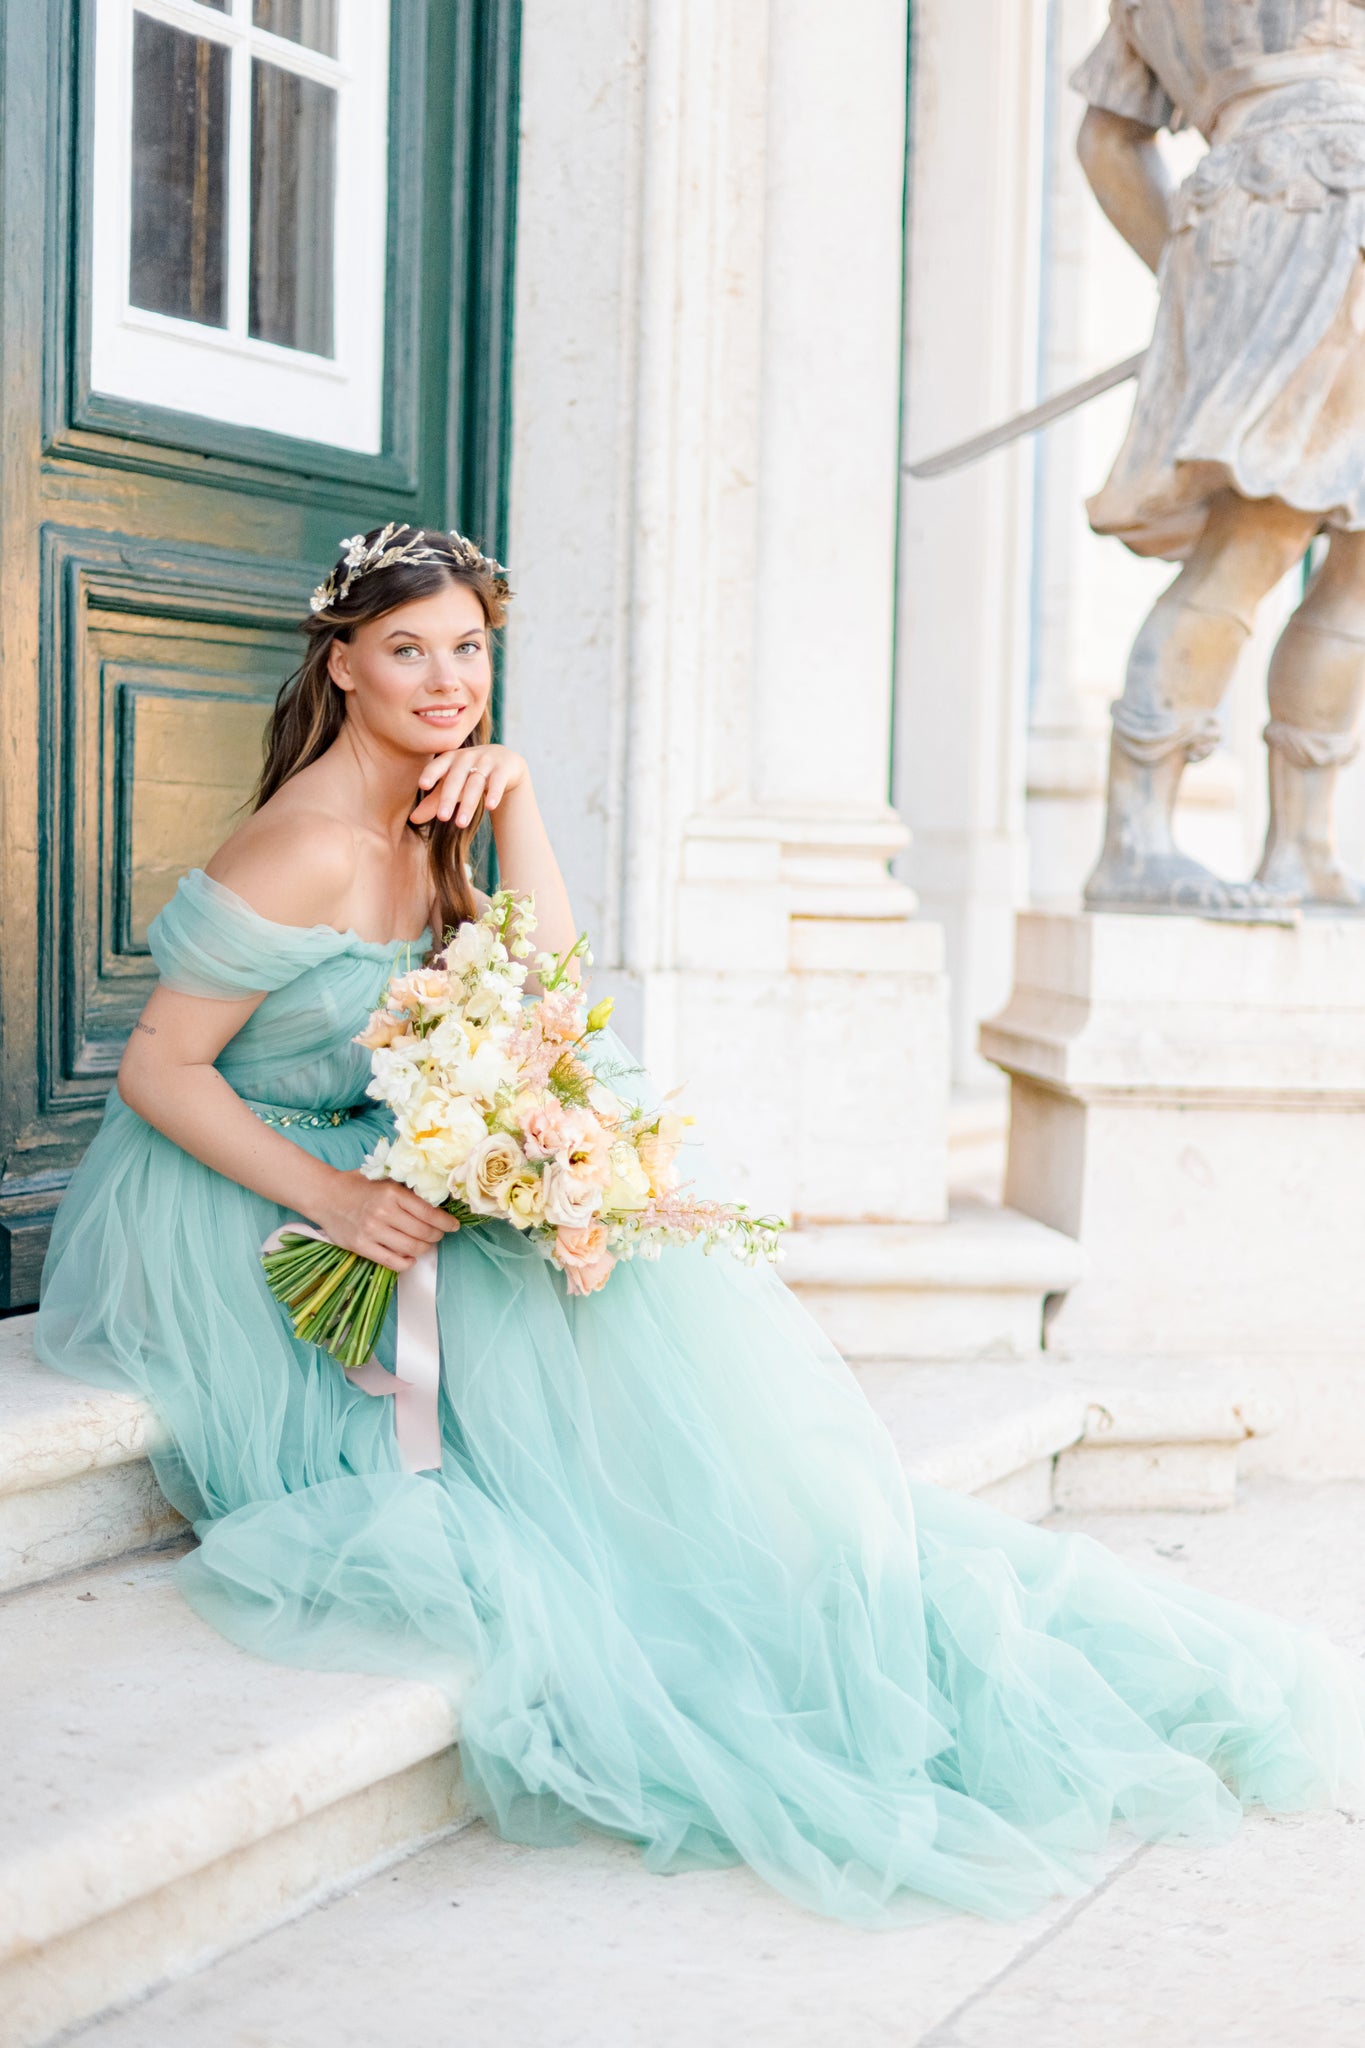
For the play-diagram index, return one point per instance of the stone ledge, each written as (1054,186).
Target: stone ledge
(980,1246)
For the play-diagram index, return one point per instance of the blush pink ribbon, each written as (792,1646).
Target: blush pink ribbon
(414,1384)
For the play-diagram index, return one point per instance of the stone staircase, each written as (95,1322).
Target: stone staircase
(170,1796)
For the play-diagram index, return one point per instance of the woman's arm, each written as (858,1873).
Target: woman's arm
(526,859)
(168,1078)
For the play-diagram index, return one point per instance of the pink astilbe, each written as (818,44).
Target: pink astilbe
(681,1211)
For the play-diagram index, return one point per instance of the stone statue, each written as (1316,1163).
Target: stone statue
(1248,429)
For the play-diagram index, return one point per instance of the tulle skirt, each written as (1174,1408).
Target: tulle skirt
(671,1572)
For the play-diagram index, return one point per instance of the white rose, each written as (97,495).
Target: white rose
(489,1172)
(569,1199)
(628,1187)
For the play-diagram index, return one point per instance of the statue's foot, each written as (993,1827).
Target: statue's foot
(1318,881)
(1170,883)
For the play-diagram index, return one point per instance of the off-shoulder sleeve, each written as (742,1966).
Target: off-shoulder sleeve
(209,942)
(1116,77)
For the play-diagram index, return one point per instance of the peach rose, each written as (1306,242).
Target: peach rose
(582,1255)
(382,1029)
(426,988)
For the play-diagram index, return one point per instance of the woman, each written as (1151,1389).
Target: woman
(669,1566)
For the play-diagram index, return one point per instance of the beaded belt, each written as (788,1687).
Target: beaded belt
(311,1119)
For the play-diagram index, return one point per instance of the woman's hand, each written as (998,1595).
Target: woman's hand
(382,1220)
(455,781)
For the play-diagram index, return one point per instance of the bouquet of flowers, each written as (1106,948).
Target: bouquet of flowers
(499,1116)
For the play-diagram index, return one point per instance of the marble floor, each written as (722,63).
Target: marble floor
(1259,1944)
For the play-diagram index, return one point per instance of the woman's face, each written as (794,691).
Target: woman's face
(418,677)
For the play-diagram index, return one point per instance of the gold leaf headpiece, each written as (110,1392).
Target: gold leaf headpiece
(359,558)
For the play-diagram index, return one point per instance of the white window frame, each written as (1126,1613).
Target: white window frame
(222,373)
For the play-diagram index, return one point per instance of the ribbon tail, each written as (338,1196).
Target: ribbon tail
(417,1421)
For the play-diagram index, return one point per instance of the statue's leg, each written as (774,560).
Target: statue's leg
(1317,682)
(1181,664)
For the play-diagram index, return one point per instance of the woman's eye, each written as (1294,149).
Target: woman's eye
(468,647)
(407,649)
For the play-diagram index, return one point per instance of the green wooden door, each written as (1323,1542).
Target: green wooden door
(154,558)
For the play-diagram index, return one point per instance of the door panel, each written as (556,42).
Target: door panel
(154,564)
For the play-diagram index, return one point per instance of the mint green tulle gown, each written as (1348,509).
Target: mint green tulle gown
(670,1570)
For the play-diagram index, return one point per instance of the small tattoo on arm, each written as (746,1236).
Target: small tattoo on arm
(150,1029)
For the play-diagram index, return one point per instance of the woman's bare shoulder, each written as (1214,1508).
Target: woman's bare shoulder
(292,863)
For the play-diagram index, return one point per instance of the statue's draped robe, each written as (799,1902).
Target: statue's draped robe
(1256,374)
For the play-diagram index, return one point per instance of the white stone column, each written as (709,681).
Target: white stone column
(966,550)
(704,516)
(784,973)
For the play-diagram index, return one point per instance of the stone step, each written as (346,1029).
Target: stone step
(168,1795)
(126,1858)
(75,1485)
(972,1287)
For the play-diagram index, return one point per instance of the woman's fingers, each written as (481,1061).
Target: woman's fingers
(436,768)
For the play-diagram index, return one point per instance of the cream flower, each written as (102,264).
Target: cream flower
(489,1172)
(629,1185)
(526,1199)
(435,1137)
(569,1198)
(413,1166)
(484,1071)
(472,946)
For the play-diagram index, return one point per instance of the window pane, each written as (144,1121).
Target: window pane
(293,149)
(180,120)
(312,22)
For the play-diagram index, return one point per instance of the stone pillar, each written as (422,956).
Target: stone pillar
(783,973)
(973,253)
(705,507)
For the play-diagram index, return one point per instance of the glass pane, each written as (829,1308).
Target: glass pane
(293,170)
(178,255)
(222,6)
(312,22)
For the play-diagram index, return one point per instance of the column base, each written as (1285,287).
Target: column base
(1188,1101)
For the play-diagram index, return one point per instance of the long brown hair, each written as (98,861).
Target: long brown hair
(310,710)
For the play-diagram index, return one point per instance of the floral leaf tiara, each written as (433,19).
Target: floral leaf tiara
(359,558)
